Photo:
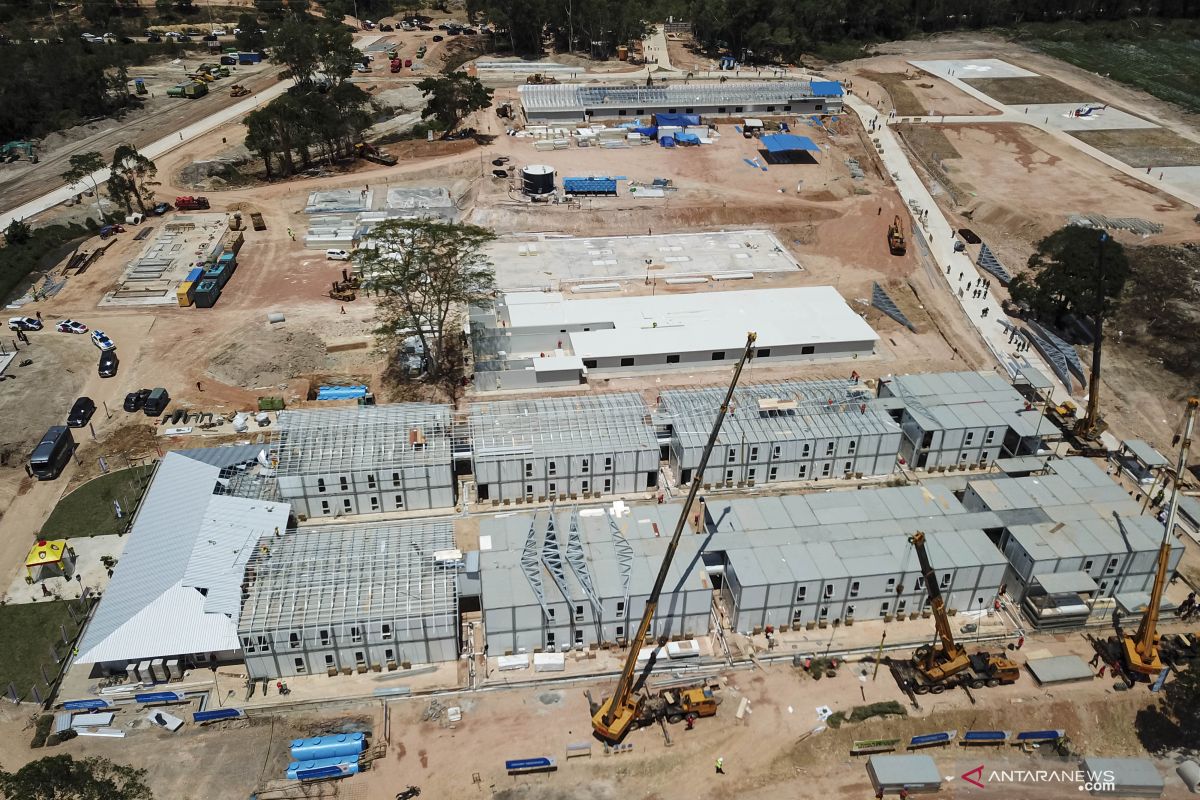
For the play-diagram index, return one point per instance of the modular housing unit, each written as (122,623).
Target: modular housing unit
(780,432)
(567,102)
(351,598)
(1073,520)
(837,557)
(562,448)
(962,419)
(583,579)
(365,459)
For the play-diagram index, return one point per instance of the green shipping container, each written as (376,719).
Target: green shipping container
(194,90)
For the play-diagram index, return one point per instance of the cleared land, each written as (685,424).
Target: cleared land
(1166,68)
(28,630)
(903,99)
(1015,91)
(1155,147)
(89,510)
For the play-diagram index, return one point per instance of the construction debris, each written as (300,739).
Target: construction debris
(987,261)
(1101,222)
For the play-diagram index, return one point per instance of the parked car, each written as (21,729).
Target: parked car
(426,27)
(109,362)
(218,31)
(194,32)
(208,37)
(101,340)
(385,28)
(156,402)
(24,324)
(81,412)
(153,37)
(135,400)
(438,38)
(160,209)
(71,326)
(337,255)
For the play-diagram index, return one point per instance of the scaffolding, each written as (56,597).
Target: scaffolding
(363,438)
(350,575)
(776,412)
(561,426)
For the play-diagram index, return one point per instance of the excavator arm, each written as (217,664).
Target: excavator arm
(950,648)
(614,715)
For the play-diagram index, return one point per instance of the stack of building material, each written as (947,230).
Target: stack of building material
(987,260)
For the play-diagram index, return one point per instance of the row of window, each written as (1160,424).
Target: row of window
(802,473)
(624,112)
(360,659)
(585,466)
(855,587)
(777,450)
(968,439)
(579,611)
(261,644)
(375,501)
(343,482)
(884,609)
(673,358)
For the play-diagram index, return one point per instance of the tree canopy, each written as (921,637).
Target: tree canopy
(66,778)
(1064,274)
(452,97)
(131,178)
(426,273)
(83,165)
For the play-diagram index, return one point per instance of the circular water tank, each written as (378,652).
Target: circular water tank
(537,179)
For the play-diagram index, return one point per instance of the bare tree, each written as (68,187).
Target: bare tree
(84,166)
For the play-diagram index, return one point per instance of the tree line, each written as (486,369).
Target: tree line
(763,30)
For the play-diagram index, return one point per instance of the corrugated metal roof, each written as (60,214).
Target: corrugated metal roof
(224,456)
(228,533)
(1144,453)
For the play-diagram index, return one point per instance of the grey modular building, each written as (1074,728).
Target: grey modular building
(836,557)
(780,432)
(1073,521)
(562,448)
(365,459)
(579,578)
(962,419)
(576,102)
(351,598)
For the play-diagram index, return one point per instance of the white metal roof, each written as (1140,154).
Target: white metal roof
(694,322)
(153,606)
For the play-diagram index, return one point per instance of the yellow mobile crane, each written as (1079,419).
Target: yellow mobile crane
(1139,651)
(944,665)
(615,716)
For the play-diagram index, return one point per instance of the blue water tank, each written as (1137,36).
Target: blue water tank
(334,745)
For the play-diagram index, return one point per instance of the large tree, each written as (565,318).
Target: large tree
(83,169)
(426,273)
(66,778)
(131,178)
(452,97)
(311,47)
(1065,274)
(248,37)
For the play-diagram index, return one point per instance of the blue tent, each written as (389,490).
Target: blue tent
(678,120)
(788,143)
(827,89)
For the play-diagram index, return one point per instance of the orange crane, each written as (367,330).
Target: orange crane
(1139,651)
(946,664)
(615,716)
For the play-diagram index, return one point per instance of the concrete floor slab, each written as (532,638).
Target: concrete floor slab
(973,68)
(550,263)
(1061,116)
(1186,178)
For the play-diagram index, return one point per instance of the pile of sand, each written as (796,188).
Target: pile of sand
(269,357)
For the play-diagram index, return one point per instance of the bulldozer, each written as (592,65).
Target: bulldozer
(895,237)
(237,90)
(346,289)
(538,78)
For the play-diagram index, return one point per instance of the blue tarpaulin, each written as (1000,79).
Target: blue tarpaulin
(687,138)
(651,132)
(827,89)
(678,120)
(84,705)
(341,392)
(788,143)
(590,185)
(667,141)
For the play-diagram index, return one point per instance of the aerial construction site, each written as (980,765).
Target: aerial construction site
(763,457)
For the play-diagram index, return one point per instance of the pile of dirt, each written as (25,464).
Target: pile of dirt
(268,358)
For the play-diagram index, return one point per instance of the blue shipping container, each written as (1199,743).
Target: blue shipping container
(249,58)
(197,274)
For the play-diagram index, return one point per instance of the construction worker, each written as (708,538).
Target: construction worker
(720,766)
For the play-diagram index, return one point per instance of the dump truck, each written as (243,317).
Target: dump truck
(190,203)
(895,237)
(256,219)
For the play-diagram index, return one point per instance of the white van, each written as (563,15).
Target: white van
(337,255)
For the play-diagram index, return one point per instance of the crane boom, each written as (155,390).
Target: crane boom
(1141,649)
(950,648)
(615,715)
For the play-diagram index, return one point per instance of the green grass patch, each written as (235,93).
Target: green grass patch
(888,708)
(1160,59)
(28,630)
(89,511)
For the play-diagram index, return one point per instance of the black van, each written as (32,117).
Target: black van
(52,453)
(157,402)
(108,364)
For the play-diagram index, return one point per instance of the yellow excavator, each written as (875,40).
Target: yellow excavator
(1139,650)
(934,668)
(627,710)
